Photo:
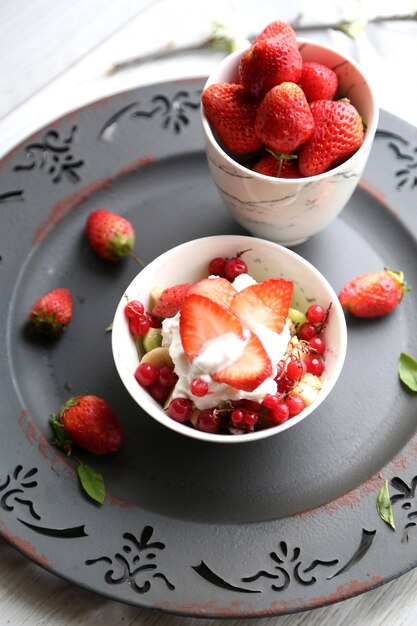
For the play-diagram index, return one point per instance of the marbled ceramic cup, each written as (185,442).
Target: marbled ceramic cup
(290,211)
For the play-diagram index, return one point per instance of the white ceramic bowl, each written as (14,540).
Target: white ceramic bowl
(290,211)
(188,263)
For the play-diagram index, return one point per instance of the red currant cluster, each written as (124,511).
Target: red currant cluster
(139,321)
(159,382)
(228,268)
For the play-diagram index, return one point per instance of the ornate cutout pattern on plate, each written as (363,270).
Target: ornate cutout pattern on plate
(12,196)
(407,174)
(173,112)
(53,155)
(287,567)
(134,565)
(13,494)
(406,493)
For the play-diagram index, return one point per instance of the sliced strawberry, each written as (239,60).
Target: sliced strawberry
(249,370)
(170,301)
(201,320)
(219,290)
(265,303)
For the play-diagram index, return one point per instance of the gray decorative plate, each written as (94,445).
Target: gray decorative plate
(278,526)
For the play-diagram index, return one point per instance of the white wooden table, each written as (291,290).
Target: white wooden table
(53,56)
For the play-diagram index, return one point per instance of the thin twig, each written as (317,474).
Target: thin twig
(226,43)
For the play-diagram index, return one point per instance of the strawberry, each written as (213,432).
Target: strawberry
(249,370)
(284,120)
(271,165)
(373,294)
(232,115)
(265,303)
(170,301)
(278,29)
(268,63)
(110,235)
(89,422)
(338,133)
(218,290)
(201,320)
(318,81)
(52,312)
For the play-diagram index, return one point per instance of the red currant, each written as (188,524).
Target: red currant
(318,344)
(250,418)
(271,402)
(139,325)
(307,331)
(280,414)
(216,266)
(133,309)
(284,384)
(295,405)
(234,267)
(167,376)
(251,405)
(146,374)
(209,421)
(237,417)
(295,370)
(315,365)
(199,387)
(315,314)
(180,409)
(159,392)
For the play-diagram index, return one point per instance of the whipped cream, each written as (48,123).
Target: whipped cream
(219,353)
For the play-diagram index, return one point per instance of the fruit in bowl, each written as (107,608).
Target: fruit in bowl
(289,126)
(241,352)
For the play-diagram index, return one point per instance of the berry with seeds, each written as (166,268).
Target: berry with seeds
(51,313)
(264,303)
(231,113)
(278,29)
(90,423)
(170,301)
(373,294)
(317,81)
(110,235)
(218,290)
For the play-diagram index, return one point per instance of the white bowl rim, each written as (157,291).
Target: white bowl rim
(158,413)
(369,134)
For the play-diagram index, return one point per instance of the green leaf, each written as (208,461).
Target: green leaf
(383,505)
(407,369)
(92,482)
(61,436)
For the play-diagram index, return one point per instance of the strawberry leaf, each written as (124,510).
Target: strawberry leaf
(92,482)
(383,505)
(407,369)
(61,436)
